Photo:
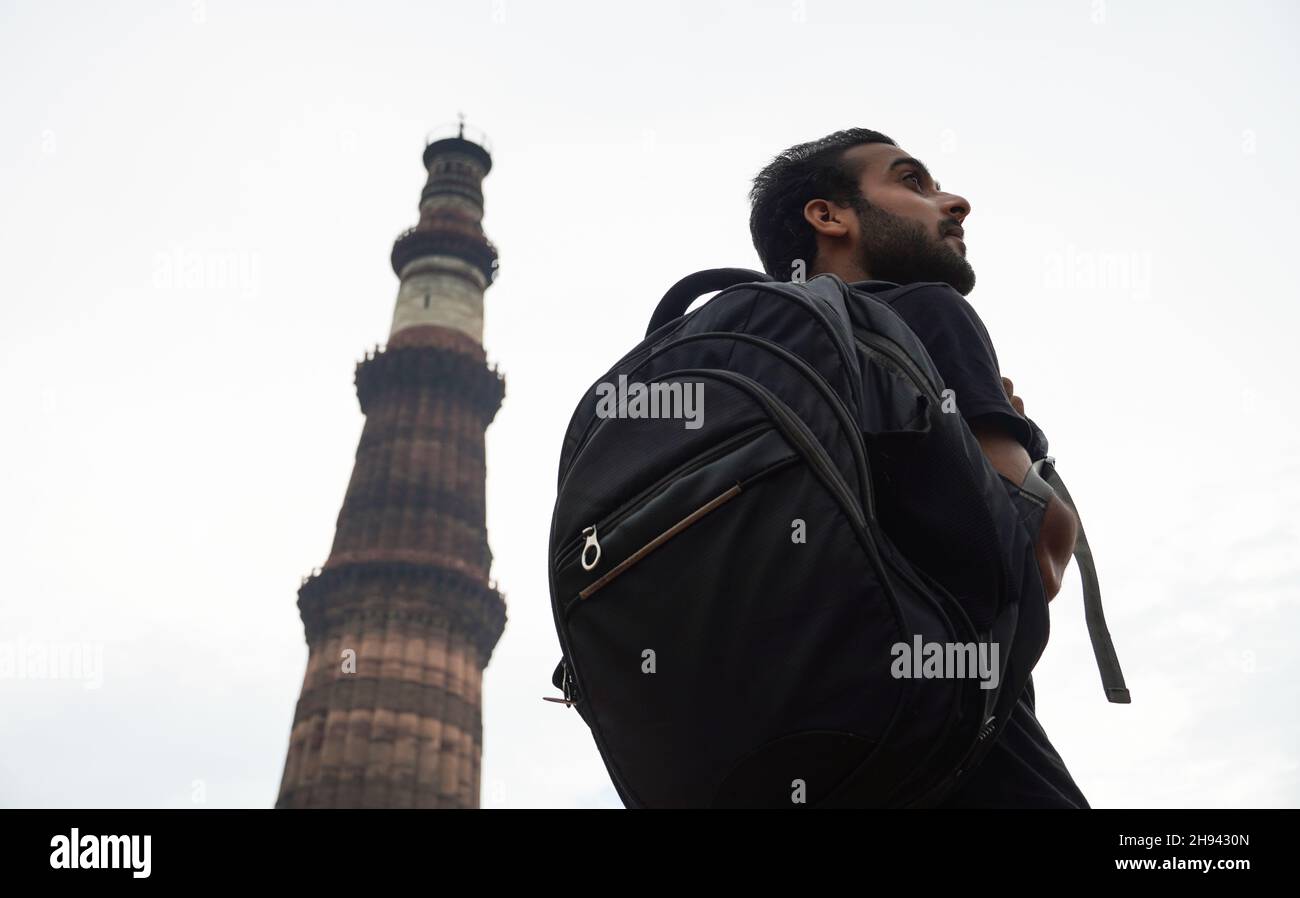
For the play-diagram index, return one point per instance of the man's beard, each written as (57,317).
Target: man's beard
(899,250)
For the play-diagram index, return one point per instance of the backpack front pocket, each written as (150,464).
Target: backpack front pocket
(607,549)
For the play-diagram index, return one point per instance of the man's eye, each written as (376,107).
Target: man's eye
(914,176)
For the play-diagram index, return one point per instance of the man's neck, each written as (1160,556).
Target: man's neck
(848,273)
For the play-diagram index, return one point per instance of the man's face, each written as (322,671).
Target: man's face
(905,234)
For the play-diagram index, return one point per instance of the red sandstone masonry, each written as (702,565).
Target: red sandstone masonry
(406,585)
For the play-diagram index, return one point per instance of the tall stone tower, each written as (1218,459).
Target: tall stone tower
(402,618)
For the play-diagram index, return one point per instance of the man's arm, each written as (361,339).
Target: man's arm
(963,352)
(1060,528)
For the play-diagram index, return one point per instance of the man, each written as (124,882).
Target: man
(856,205)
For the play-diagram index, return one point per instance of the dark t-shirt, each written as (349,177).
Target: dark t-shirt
(960,346)
(1022,769)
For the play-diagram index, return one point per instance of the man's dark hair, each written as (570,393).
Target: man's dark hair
(809,171)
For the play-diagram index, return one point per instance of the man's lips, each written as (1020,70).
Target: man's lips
(958,240)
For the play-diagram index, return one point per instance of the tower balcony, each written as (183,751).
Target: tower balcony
(414,243)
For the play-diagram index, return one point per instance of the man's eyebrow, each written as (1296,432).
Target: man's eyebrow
(908,160)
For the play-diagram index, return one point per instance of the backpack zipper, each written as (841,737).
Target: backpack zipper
(614,518)
(682,524)
(602,581)
(566,686)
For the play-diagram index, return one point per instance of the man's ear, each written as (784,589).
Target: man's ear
(828,219)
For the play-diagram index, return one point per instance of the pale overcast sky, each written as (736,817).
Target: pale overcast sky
(178,448)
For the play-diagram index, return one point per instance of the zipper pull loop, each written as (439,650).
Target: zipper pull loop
(568,689)
(590,534)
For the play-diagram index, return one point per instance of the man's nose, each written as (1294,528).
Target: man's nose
(957,207)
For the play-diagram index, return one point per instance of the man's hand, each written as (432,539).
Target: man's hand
(1016,402)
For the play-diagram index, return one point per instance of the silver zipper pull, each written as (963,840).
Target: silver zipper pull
(590,534)
(567,684)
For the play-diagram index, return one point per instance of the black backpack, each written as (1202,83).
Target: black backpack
(765,522)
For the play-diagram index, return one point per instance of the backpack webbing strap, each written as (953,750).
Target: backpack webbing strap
(1042,477)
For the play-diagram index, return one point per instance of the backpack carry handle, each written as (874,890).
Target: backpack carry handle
(690,288)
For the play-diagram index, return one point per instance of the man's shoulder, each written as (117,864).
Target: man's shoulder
(928,306)
(920,298)
(919,292)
